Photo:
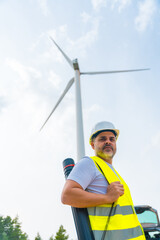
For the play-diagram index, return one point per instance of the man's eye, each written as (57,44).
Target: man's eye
(102,139)
(112,139)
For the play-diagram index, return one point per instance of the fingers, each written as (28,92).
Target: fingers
(117,185)
(115,190)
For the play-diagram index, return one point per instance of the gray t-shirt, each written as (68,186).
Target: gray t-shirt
(88,176)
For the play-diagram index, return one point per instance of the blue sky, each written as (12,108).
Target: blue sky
(103,35)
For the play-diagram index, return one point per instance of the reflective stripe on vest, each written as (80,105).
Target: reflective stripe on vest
(123,222)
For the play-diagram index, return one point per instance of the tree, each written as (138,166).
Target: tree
(38,237)
(4,236)
(51,238)
(11,229)
(61,234)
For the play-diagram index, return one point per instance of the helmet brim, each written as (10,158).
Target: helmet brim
(95,134)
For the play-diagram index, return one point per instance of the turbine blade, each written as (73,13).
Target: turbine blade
(65,56)
(117,71)
(59,100)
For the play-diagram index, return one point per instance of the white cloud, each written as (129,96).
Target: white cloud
(19,69)
(97,4)
(23,71)
(85,41)
(121,4)
(146,11)
(94,108)
(43,6)
(54,79)
(35,44)
(81,43)
(2,103)
(27,80)
(156,140)
(19,86)
(48,50)
(63,28)
(85,17)
(61,32)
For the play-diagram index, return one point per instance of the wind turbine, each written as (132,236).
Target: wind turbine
(79,120)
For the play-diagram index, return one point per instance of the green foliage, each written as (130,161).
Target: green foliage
(11,229)
(51,238)
(61,234)
(38,237)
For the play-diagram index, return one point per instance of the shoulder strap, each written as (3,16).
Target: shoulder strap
(107,171)
(100,165)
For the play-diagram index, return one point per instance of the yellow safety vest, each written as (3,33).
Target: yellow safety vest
(120,217)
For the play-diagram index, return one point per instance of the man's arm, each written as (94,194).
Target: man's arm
(74,195)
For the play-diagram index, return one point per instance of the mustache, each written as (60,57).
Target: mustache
(107,145)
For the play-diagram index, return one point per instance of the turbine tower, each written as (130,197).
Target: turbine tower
(79,119)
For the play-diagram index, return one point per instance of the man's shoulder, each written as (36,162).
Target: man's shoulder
(85,161)
(84,172)
(86,158)
(85,165)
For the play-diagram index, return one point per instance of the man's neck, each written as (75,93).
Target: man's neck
(106,159)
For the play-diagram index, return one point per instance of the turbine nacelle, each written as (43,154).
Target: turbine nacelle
(75,64)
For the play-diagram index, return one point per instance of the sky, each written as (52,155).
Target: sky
(103,35)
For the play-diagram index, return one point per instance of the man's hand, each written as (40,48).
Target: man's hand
(74,195)
(114,191)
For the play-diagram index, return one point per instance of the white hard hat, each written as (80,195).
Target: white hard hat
(102,127)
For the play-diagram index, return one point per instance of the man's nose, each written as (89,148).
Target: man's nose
(107,141)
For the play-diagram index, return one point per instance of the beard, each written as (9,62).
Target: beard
(107,152)
(105,155)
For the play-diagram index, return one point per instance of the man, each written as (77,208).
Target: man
(94,184)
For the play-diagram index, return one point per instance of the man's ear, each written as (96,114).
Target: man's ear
(92,144)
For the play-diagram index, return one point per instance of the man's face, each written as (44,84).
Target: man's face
(105,146)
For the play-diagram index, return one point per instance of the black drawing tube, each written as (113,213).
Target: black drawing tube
(80,215)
